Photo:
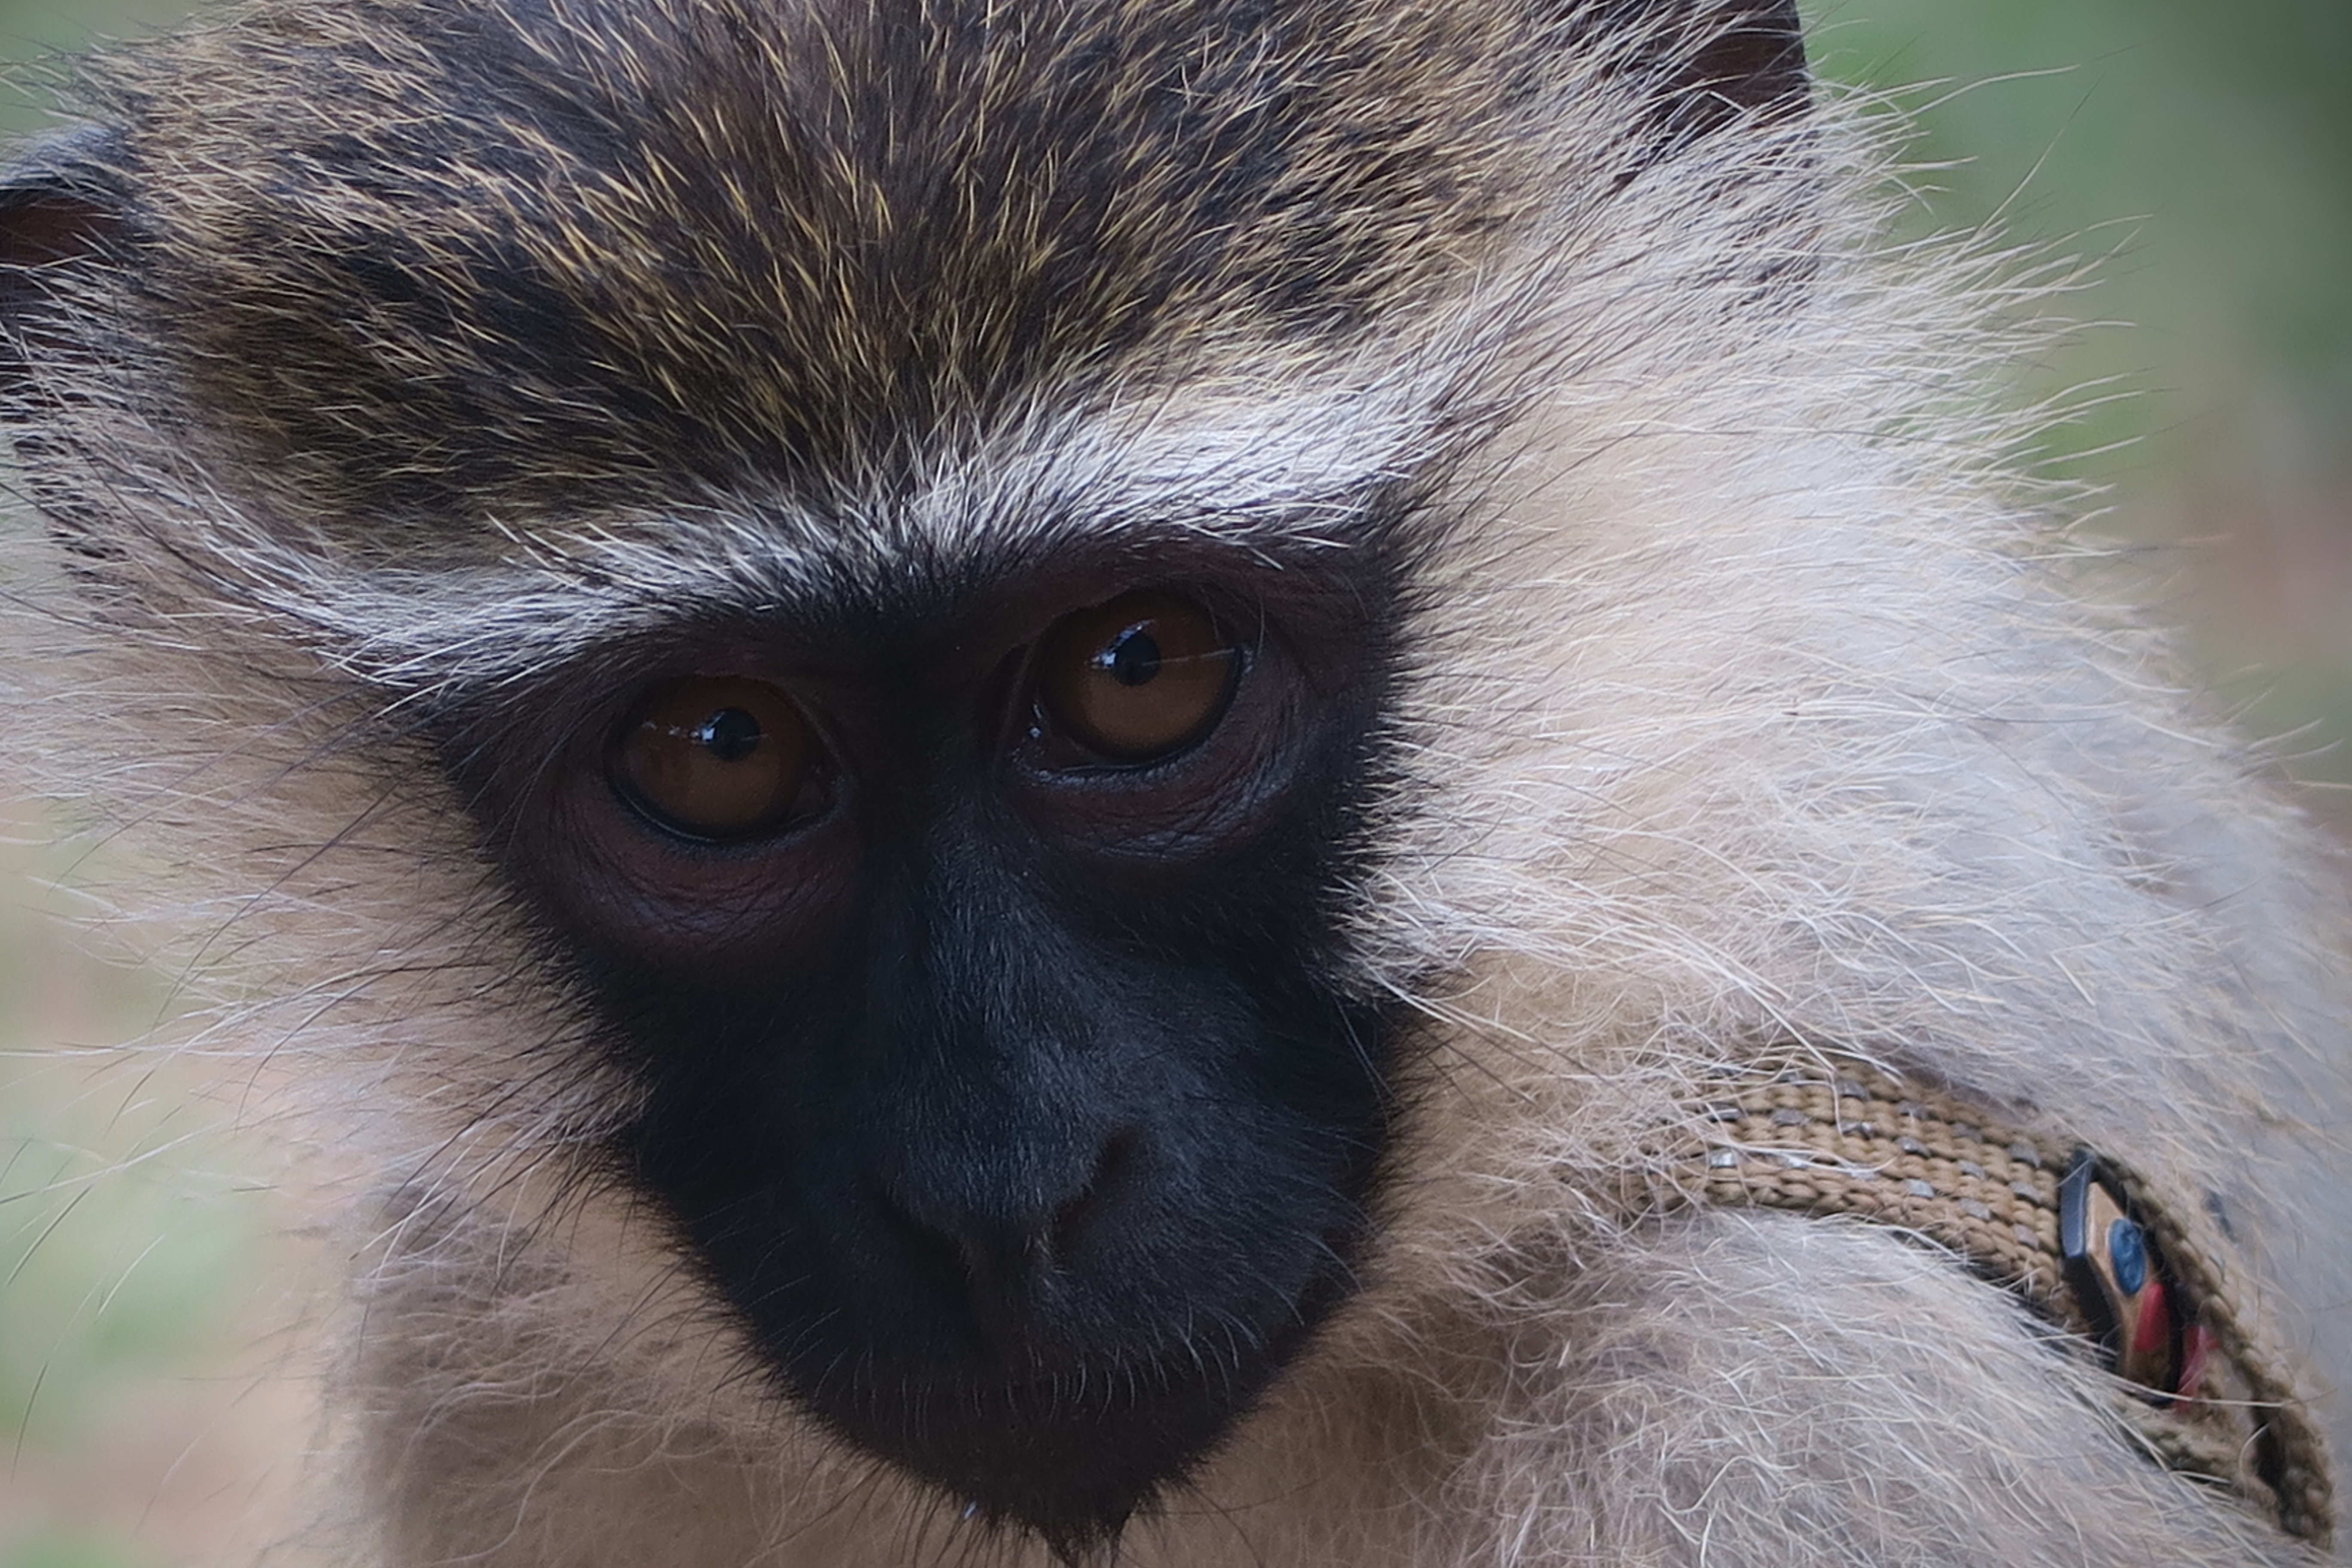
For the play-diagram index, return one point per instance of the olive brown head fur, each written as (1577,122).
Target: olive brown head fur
(1008,762)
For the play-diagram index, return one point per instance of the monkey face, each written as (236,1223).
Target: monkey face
(975,954)
(906,528)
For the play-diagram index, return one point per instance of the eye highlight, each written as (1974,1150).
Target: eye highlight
(1140,676)
(716,757)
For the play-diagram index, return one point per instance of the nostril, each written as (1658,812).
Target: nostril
(1066,1233)
(1001,1254)
(945,1249)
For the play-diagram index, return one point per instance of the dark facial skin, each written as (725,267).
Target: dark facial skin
(997,1065)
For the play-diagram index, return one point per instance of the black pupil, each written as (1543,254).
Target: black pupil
(731,735)
(1133,658)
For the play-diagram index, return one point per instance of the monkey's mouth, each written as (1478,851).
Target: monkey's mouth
(1071,1437)
(1049,1306)
(1073,1446)
(1072,1458)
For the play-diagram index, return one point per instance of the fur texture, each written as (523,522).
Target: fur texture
(400,350)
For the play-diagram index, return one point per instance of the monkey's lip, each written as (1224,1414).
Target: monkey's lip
(1074,1452)
(1071,1446)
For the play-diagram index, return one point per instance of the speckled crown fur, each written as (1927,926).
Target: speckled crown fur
(439,258)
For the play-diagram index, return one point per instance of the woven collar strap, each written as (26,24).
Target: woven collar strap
(2079,1237)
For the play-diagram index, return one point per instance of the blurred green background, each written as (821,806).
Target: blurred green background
(2204,151)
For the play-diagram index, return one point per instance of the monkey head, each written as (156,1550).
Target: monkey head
(899,528)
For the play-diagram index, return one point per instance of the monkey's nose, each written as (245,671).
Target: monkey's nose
(1014,1244)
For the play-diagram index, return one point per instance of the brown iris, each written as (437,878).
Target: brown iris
(1137,678)
(715,756)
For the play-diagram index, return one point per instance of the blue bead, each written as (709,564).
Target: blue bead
(2128,1250)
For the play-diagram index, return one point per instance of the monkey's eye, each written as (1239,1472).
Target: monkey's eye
(716,757)
(1140,676)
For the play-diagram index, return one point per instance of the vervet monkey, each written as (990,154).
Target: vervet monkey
(1196,782)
